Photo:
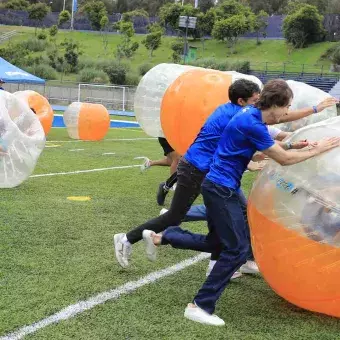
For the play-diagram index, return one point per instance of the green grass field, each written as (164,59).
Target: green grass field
(273,52)
(55,252)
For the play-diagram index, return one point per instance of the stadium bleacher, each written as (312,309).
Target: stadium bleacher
(322,82)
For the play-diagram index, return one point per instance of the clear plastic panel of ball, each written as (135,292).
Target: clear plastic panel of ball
(236,76)
(307,96)
(149,95)
(305,196)
(22,140)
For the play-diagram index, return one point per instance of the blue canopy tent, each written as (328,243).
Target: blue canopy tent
(12,74)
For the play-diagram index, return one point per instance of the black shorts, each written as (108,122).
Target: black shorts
(165,145)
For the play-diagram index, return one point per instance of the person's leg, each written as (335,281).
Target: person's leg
(173,158)
(196,213)
(164,188)
(227,219)
(160,162)
(188,188)
(184,239)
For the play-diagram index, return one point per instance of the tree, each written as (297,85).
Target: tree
(154,39)
(304,27)
(20,5)
(177,48)
(169,15)
(205,5)
(121,6)
(53,31)
(260,24)
(126,48)
(231,29)
(104,25)
(64,17)
(295,5)
(71,55)
(95,10)
(229,8)
(128,16)
(333,7)
(205,24)
(38,12)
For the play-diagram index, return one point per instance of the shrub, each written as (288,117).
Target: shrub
(90,75)
(329,52)
(223,65)
(42,35)
(336,57)
(33,45)
(42,71)
(144,68)
(132,79)
(116,72)
(98,64)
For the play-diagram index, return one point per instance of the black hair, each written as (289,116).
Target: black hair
(243,89)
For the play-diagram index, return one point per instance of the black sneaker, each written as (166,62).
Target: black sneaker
(161,194)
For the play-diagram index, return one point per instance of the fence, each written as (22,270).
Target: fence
(111,97)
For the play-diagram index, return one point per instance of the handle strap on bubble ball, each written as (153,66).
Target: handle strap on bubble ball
(315,109)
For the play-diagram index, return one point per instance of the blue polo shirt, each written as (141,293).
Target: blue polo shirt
(244,135)
(201,151)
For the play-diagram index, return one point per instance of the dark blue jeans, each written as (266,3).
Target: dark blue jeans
(228,234)
(179,238)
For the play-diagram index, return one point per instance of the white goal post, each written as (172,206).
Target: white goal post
(111,96)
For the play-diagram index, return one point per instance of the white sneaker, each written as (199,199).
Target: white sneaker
(146,165)
(151,249)
(163,211)
(122,250)
(199,315)
(211,264)
(250,267)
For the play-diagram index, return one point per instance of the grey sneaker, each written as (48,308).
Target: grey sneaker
(122,250)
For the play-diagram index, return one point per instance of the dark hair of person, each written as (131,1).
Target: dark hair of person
(275,93)
(243,89)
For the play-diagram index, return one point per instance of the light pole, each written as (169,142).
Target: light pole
(72,15)
(64,5)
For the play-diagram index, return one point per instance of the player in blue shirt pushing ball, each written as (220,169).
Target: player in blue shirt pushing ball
(245,134)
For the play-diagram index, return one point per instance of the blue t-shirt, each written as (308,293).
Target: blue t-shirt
(244,135)
(201,151)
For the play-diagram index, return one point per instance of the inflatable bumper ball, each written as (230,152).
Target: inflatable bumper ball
(307,96)
(149,94)
(190,100)
(87,121)
(22,140)
(40,106)
(294,216)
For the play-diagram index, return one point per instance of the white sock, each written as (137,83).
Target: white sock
(125,240)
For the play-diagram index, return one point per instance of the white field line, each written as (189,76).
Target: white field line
(82,306)
(108,153)
(75,150)
(85,171)
(103,140)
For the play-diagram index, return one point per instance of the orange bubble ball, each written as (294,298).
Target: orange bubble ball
(301,270)
(41,107)
(189,101)
(87,121)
